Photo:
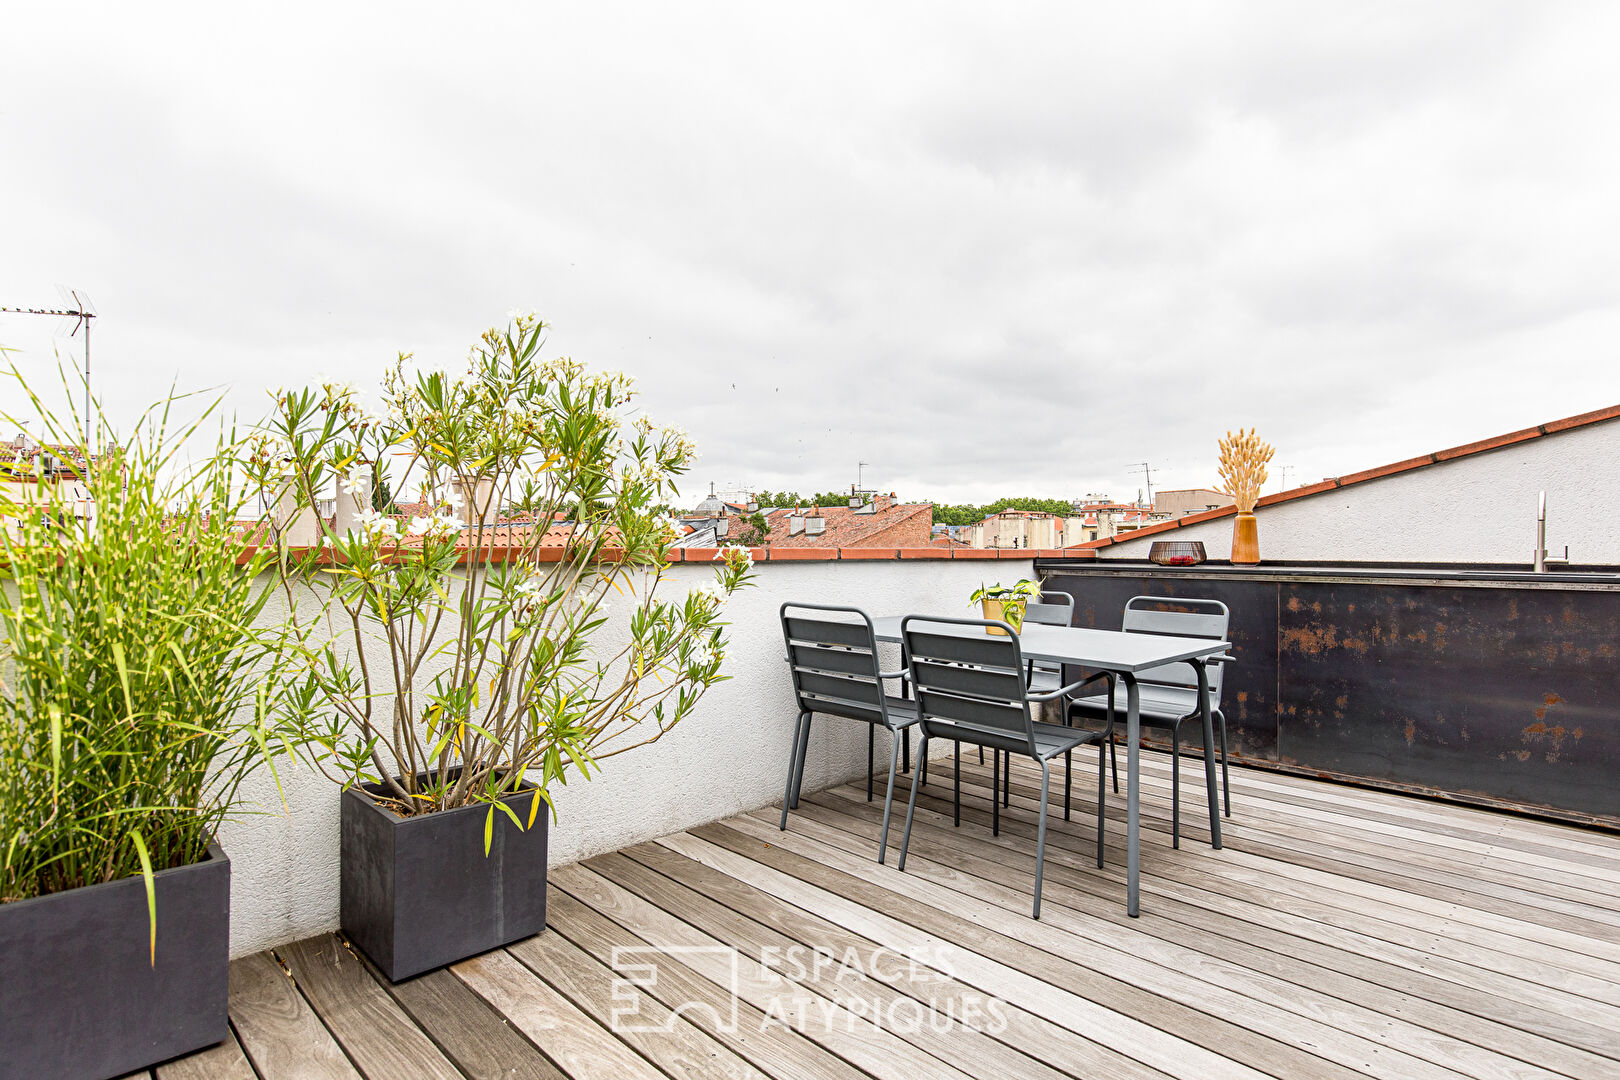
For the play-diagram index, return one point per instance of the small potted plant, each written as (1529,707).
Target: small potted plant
(509,635)
(137,697)
(1243,470)
(1005,602)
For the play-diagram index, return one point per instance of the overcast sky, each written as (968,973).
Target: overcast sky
(991,250)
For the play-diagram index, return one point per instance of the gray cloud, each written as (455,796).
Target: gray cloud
(987,255)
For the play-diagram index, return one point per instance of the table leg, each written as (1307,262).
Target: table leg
(1211,782)
(1133,823)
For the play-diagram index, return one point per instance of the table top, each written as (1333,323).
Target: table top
(1111,650)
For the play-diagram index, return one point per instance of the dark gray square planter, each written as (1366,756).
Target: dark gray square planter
(418,893)
(79,997)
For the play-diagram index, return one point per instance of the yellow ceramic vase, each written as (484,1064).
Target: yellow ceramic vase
(1245,539)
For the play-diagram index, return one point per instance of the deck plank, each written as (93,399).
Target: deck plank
(841,977)
(223,1061)
(580,1046)
(772,1048)
(1160,1034)
(373,1030)
(1064,1050)
(678,1047)
(481,1042)
(279,1030)
(848,1034)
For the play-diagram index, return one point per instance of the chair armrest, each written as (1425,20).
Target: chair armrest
(1064,691)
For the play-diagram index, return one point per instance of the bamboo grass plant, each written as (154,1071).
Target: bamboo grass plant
(452,658)
(138,693)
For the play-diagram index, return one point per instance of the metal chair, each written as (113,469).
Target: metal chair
(1169,694)
(971,688)
(1056,609)
(834,663)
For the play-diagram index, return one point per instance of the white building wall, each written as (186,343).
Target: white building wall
(729,756)
(1480,508)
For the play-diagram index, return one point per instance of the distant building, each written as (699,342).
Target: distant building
(1184,501)
(1017,529)
(882,521)
(1038,529)
(28,473)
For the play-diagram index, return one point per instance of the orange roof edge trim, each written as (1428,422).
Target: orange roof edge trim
(785,555)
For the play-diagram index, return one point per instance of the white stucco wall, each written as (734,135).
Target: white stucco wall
(728,757)
(1480,508)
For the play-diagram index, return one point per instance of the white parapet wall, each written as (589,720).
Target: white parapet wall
(729,756)
(1478,508)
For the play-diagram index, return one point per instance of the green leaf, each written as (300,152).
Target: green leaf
(489,829)
(56,752)
(151,889)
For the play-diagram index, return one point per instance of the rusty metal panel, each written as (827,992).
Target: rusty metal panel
(1510,694)
(1482,690)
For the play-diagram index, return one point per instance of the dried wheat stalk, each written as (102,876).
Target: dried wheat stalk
(1243,466)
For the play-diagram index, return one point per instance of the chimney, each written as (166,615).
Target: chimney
(478,501)
(294,522)
(351,504)
(815,524)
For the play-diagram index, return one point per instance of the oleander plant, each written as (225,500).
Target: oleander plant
(513,629)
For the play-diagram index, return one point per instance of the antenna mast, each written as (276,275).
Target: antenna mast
(80,310)
(1147,472)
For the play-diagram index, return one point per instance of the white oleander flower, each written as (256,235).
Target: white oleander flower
(735,555)
(441,525)
(712,595)
(374,524)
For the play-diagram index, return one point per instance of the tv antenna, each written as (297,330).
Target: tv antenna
(1147,472)
(76,312)
(860,480)
(1284,470)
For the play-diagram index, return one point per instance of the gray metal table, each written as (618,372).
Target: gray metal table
(1125,655)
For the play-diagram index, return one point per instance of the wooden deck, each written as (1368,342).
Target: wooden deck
(1341,933)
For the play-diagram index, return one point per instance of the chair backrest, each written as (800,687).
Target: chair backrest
(1053,609)
(832,654)
(1176,616)
(969,679)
